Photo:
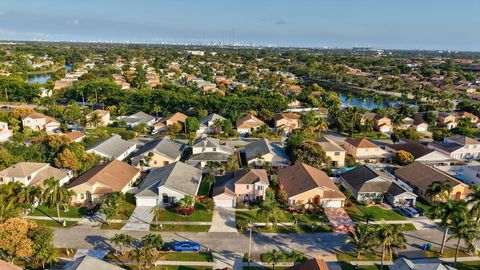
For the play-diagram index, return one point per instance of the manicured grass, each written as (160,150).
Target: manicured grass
(352,256)
(297,229)
(186,256)
(447,253)
(406,227)
(180,228)
(54,223)
(284,258)
(127,205)
(73,212)
(475,265)
(347,266)
(357,213)
(113,226)
(204,188)
(167,267)
(372,135)
(200,214)
(252,215)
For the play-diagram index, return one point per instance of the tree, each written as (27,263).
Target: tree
(192,124)
(187,202)
(67,159)
(144,256)
(43,249)
(55,195)
(311,153)
(110,205)
(467,230)
(152,240)
(94,119)
(270,211)
(440,190)
(448,211)
(122,241)
(403,157)
(474,201)
(174,129)
(273,257)
(389,237)
(14,240)
(362,238)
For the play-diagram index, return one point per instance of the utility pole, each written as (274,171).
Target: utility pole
(250,243)
(6,95)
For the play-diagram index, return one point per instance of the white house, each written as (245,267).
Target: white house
(458,147)
(206,124)
(5,133)
(113,148)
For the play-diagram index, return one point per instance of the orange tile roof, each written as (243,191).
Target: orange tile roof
(360,143)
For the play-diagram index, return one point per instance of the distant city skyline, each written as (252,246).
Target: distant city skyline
(408,24)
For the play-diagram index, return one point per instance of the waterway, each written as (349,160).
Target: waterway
(43,78)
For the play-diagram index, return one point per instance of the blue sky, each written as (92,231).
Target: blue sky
(403,24)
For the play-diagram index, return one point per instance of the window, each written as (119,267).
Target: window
(165,163)
(214,149)
(337,154)
(155,162)
(260,188)
(477,175)
(82,196)
(248,186)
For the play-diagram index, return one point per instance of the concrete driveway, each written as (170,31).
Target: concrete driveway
(223,220)
(140,219)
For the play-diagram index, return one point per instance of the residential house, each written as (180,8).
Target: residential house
(447,119)
(287,122)
(113,148)
(419,124)
(420,176)
(138,118)
(408,264)
(158,153)
(166,185)
(209,149)
(207,124)
(368,116)
(365,151)
(382,124)
(75,136)
(88,262)
(246,125)
(5,133)
(37,121)
(458,147)
(333,151)
(176,118)
(420,152)
(108,177)
(243,185)
(103,117)
(261,151)
(473,118)
(406,123)
(33,174)
(312,264)
(471,174)
(367,184)
(305,184)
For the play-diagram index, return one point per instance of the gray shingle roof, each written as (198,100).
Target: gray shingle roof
(211,117)
(114,146)
(164,147)
(139,117)
(262,147)
(178,176)
(88,263)
(360,179)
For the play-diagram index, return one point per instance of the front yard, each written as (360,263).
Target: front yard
(127,205)
(54,223)
(357,213)
(73,212)
(201,214)
(447,253)
(180,228)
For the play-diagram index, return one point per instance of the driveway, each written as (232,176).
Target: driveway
(223,220)
(140,219)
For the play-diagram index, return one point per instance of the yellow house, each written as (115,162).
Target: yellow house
(306,184)
(158,153)
(365,151)
(333,151)
(287,121)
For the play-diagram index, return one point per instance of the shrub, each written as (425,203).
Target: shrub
(127,134)
(185,211)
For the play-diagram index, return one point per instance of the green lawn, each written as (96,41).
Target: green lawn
(181,228)
(284,258)
(298,229)
(372,135)
(167,267)
(201,214)
(186,256)
(447,253)
(204,189)
(252,215)
(54,223)
(126,208)
(113,226)
(352,256)
(73,212)
(423,204)
(475,265)
(357,213)
(347,266)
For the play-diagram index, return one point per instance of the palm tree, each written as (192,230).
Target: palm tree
(440,189)
(466,230)
(362,238)
(273,257)
(389,237)
(156,211)
(94,120)
(121,240)
(156,110)
(295,255)
(152,240)
(54,194)
(8,209)
(474,201)
(187,202)
(270,211)
(447,211)
(144,256)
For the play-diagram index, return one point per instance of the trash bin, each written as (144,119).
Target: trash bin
(425,246)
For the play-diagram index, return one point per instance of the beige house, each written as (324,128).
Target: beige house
(248,124)
(382,124)
(37,121)
(112,176)
(333,151)
(176,118)
(104,118)
(287,121)
(32,174)
(306,184)
(158,153)
(244,185)
(5,133)
(365,151)
(448,120)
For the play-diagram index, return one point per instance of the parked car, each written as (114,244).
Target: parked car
(186,246)
(420,210)
(92,209)
(409,212)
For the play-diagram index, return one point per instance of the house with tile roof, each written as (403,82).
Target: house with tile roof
(38,121)
(33,174)
(159,153)
(105,178)
(113,148)
(364,151)
(420,152)
(420,176)
(244,185)
(312,264)
(103,115)
(166,185)
(458,147)
(262,150)
(305,184)
(176,118)
(246,125)
(334,151)
(137,119)
(287,122)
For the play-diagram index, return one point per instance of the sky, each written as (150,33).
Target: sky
(389,24)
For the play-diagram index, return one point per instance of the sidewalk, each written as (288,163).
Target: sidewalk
(99,220)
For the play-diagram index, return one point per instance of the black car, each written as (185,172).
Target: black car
(92,209)
(420,210)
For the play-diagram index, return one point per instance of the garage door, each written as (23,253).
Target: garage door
(146,201)
(225,202)
(334,204)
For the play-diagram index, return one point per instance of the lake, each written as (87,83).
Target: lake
(368,102)
(43,78)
